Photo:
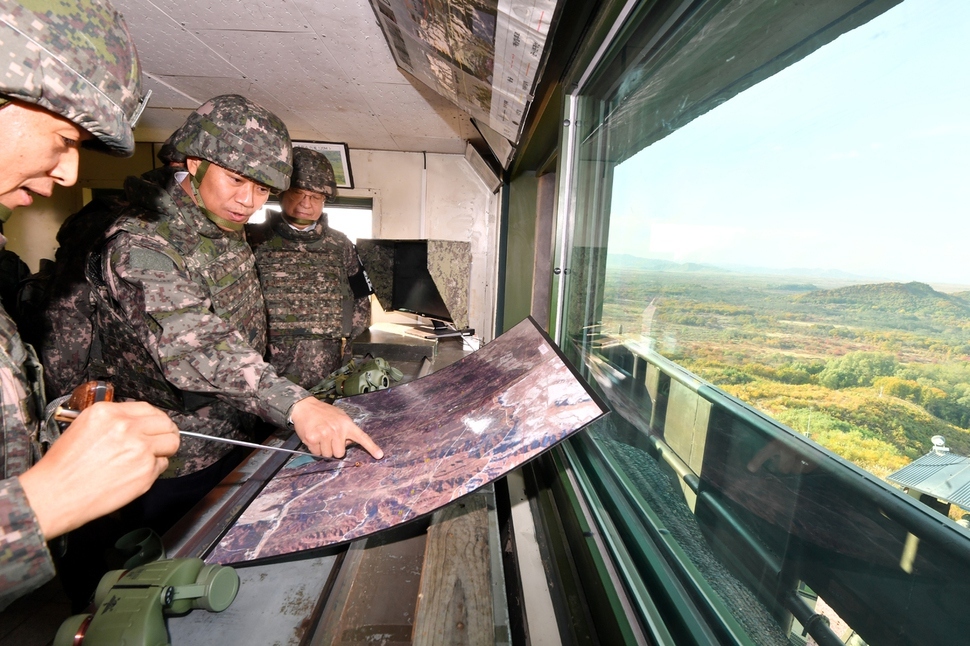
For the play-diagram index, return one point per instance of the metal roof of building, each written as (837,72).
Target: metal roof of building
(942,475)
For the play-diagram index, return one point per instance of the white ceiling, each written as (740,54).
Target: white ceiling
(323,66)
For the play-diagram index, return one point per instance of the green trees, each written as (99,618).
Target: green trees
(872,372)
(857,369)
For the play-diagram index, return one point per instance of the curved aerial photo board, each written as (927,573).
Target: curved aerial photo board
(444,436)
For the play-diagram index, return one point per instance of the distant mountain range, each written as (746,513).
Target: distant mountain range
(898,298)
(628,261)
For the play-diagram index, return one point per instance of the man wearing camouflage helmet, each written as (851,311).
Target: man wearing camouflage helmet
(56,91)
(180,314)
(315,288)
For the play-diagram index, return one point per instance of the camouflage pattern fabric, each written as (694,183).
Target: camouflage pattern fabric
(25,562)
(312,171)
(61,309)
(169,152)
(77,60)
(311,307)
(182,325)
(237,134)
(65,347)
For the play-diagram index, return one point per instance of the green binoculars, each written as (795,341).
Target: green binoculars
(132,604)
(359,376)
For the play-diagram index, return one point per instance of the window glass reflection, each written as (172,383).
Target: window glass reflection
(773,300)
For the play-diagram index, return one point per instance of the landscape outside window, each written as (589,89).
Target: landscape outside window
(799,245)
(802,246)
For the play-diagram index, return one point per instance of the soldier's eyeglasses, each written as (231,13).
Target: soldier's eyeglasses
(316,199)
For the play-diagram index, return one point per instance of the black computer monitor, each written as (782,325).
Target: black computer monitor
(413,288)
(429,278)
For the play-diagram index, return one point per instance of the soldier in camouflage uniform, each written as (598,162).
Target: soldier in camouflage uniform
(180,315)
(60,310)
(314,284)
(58,88)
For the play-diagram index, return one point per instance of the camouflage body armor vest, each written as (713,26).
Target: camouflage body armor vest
(225,266)
(304,280)
(22,402)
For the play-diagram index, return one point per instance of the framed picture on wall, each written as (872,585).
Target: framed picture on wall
(339,157)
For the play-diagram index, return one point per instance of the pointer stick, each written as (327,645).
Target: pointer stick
(69,415)
(251,445)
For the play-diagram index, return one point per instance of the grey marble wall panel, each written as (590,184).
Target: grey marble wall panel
(450,265)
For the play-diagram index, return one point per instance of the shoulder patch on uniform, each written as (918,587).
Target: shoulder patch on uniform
(147,259)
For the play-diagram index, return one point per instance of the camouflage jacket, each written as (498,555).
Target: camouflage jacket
(66,340)
(181,322)
(25,562)
(65,311)
(305,277)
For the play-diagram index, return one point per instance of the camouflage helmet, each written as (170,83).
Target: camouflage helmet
(169,153)
(312,172)
(77,60)
(241,136)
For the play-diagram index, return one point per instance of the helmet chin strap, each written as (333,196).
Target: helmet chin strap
(196,181)
(300,222)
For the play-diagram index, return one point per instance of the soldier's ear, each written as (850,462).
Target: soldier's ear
(192,165)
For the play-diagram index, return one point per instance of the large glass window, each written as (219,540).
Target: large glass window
(354,217)
(765,279)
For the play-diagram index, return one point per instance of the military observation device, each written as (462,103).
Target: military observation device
(132,604)
(358,376)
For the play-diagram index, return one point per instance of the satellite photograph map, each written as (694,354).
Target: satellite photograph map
(444,436)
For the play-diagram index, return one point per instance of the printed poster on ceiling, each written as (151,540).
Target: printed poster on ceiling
(483,55)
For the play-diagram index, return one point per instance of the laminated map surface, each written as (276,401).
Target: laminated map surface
(443,436)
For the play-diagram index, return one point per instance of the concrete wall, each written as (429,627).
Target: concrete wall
(415,196)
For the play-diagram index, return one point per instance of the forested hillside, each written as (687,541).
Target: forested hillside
(870,371)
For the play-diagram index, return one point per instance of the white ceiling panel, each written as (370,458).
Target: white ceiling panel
(359,33)
(299,126)
(376,140)
(156,124)
(348,16)
(430,144)
(350,125)
(265,54)
(414,113)
(245,15)
(164,95)
(207,87)
(371,62)
(165,47)
(292,66)
(322,66)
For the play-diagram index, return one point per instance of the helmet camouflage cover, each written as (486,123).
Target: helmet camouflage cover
(241,136)
(312,172)
(169,153)
(76,59)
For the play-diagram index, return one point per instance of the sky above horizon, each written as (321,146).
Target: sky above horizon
(854,159)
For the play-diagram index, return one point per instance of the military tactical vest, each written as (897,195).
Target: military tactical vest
(304,281)
(22,401)
(222,264)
